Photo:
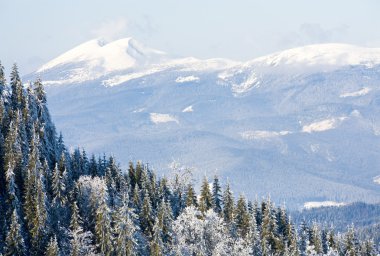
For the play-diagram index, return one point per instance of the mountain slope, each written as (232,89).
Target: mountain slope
(303,124)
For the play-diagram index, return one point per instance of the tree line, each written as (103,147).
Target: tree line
(57,202)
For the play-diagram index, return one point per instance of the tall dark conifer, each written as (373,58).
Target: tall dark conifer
(216,195)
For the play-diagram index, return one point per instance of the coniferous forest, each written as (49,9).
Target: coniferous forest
(57,202)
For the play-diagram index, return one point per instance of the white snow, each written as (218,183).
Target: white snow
(97,58)
(377,179)
(251,82)
(283,91)
(310,205)
(117,55)
(188,109)
(162,118)
(186,79)
(323,125)
(333,55)
(361,92)
(256,135)
(117,80)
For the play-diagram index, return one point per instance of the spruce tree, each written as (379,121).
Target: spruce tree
(80,240)
(103,225)
(216,195)
(146,215)
(165,219)
(2,80)
(35,200)
(124,230)
(269,229)
(324,241)
(205,200)
(156,244)
(16,86)
(191,198)
(303,243)
(349,243)
(228,203)
(52,248)
(253,237)
(242,217)
(93,167)
(58,187)
(40,91)
(315,238)
(14,242)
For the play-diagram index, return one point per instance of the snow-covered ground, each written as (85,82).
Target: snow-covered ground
(301,125)
(310,205)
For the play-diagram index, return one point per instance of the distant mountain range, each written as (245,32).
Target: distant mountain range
(301,125)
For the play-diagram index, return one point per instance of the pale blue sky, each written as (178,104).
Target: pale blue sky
(35,31)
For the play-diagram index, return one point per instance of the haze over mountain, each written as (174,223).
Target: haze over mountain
(302,124)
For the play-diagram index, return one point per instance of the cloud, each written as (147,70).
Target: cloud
(120,27)
(313,33)
(111,29)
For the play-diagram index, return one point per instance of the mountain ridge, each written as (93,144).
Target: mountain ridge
(293,129)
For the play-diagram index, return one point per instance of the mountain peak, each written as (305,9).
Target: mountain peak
(98,57)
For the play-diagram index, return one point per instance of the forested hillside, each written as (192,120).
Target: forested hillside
(57,202)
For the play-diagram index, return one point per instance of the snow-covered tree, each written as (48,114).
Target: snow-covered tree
(216,195)
(14,243)
(80,240)
(205,199)
(103,232)
(228,203)
(52,248)
(188,233)
(124,229)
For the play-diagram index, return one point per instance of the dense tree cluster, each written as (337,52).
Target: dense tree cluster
(56,202)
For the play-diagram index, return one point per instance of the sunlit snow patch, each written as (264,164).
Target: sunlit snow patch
(186,79)
(323,125)
(256,135)
(310,205)
(361,92)
(188,109)
(377,179)
(162,118)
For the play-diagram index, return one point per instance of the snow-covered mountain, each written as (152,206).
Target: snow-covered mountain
(302,124)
